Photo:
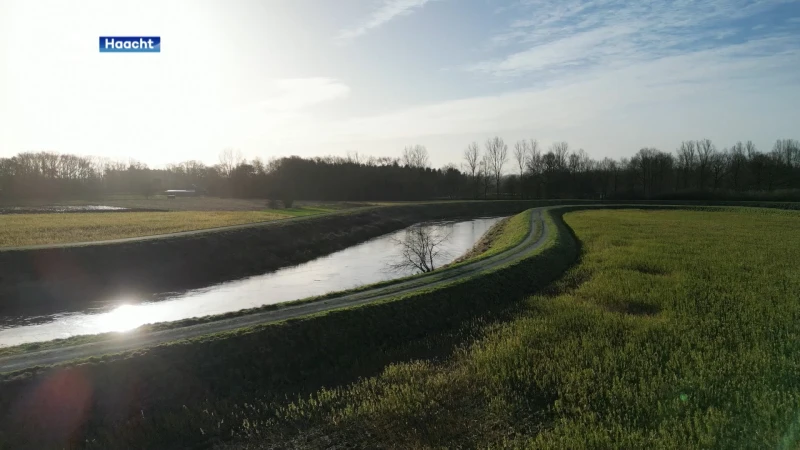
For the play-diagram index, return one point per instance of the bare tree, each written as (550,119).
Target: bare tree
(497,153)
(719,165)
(705,153)
(686,160)
(534,159)
(415,156)
(560,151)
(521,154)
(737,160)
(483,171)
(472,156)
(354,158)
(229,159)
(579,161)
(420,247)
(787,151)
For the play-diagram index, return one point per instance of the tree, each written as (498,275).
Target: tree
(483,171)
(521,154)
(560,151)
(705,153)
(451,179)
(737,161)
(472,156)
(534,158)
(415,156)
(497,153)
(420,247)
(788,151)
(718,166)
(686,160)
(229,159)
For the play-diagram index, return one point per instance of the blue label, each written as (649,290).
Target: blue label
(130,44)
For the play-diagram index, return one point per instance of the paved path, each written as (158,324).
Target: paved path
(138,340)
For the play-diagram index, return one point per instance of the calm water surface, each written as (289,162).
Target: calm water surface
(361,264)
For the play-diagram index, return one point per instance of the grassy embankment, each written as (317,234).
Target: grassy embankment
(502,236)
(678,329)
(215,376)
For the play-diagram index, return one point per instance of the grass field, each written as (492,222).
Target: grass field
(183,203)
(179,214)
(677,329)
(40,229)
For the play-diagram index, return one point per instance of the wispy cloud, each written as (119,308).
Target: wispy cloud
(545,36)
(385,12)
(696,83)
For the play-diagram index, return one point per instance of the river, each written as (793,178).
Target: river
(359,265)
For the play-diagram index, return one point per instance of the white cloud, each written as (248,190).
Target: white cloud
(695,87)
(388,10)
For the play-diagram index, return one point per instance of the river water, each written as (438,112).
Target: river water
(361,264)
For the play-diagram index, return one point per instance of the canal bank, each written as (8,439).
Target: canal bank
(62,278)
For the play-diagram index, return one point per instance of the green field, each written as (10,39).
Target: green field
(40,229)
(677,329)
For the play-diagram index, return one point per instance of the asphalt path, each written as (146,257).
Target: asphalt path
(136,340)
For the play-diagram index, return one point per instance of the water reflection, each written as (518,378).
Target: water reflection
(355,266)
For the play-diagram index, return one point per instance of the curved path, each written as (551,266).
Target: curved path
(133,340)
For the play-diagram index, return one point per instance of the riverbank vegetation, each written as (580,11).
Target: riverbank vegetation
(503,235)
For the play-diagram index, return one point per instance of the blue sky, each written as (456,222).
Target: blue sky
(314,77)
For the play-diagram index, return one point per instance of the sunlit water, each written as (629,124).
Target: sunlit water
(361,264)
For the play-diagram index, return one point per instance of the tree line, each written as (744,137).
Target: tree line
(697,168)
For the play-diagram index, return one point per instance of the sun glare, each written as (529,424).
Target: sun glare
(125,318)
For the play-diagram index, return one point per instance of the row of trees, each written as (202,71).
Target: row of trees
(697,167)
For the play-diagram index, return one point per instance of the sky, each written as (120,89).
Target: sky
(322,77)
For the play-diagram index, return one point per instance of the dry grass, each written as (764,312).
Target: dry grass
(42,229)
(161,202)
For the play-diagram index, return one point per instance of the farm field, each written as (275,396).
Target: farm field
(161,202)
(677,329)
(43,229)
